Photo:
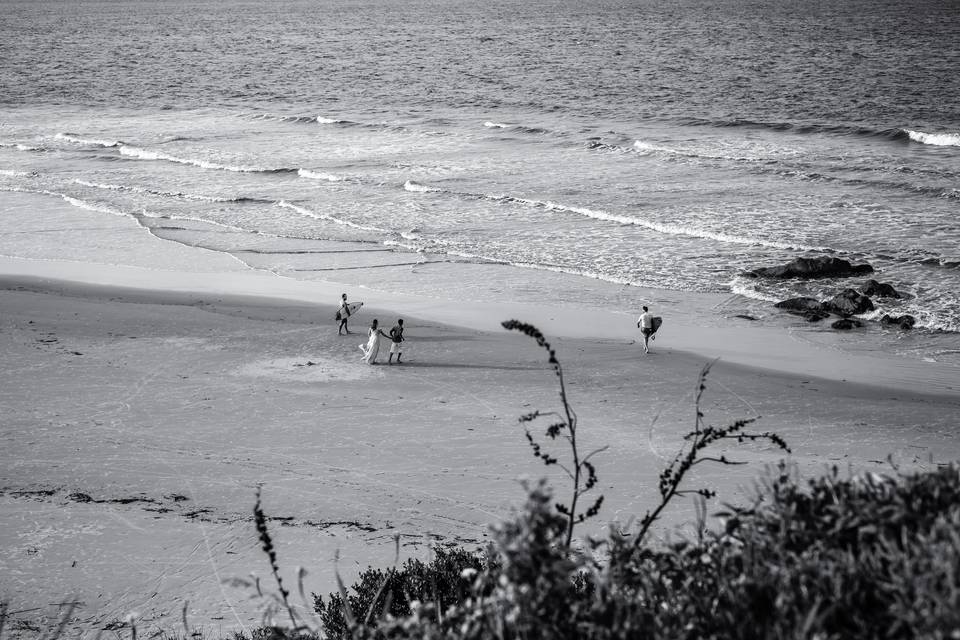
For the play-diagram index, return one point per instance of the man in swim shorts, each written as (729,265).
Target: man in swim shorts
(396,337)
(645,324)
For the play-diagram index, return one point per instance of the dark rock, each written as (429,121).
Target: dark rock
(810,308)
(905,321)
(848,302)
(800,304)
(822,267)
(846,323)
(744,316)
(879,289)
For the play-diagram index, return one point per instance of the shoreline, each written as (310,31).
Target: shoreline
(741,342)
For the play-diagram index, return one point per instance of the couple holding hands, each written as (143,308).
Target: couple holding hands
(372,348)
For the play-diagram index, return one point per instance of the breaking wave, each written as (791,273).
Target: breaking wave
(795,171)
(145,154)
(92,142)
(416,187)
(598,214)
(166,194)
(319,175)
(136,215)
(519,128)
(797,128)
(299,119)
(322,216)
(937,139)
(20,146)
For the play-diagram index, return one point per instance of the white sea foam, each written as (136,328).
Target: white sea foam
(144,154)
(83,204)
(69,137)
(11,173)
(740,288)
(99,208)
(640,145)
(938,139)
(520,264)
(670,229)
(596,214)
(20,147)
(322,120)
(495,125)
(322,216)
(319,175)
(416,187)
(135,189)
(97,185)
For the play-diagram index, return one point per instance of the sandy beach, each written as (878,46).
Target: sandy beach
(142,408)
(186,190)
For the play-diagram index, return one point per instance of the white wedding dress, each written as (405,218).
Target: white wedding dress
(372,348)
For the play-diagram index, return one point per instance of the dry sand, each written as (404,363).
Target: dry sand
(141,410)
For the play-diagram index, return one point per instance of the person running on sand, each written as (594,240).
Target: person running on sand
(396,336)
(645,324)
(372,348)
(343,314)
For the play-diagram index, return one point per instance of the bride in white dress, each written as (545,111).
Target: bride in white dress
(372,348)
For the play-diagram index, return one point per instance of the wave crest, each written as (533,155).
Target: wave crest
(283,204)
(166,194)
(75,139)
(12,173)
(145,154)
(597,214)
(319,175)
(416,187)
(937,139)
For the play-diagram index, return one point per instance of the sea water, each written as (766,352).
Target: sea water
(550,151)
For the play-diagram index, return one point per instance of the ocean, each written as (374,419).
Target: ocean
(548,151)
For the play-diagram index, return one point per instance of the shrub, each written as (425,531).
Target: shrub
(864,557)
(443,581)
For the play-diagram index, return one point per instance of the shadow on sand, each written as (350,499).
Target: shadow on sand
(463,365)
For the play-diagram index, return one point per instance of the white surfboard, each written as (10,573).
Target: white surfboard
(352,306)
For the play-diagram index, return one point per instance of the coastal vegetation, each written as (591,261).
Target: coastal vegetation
(864,556)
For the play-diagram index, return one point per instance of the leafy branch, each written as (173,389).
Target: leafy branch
(701,438)
(582,473)
(266,543)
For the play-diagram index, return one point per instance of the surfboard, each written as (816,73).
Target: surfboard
(353,306)
(657,321)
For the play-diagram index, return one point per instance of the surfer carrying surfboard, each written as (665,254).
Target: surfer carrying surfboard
(645,324)
(343,314)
